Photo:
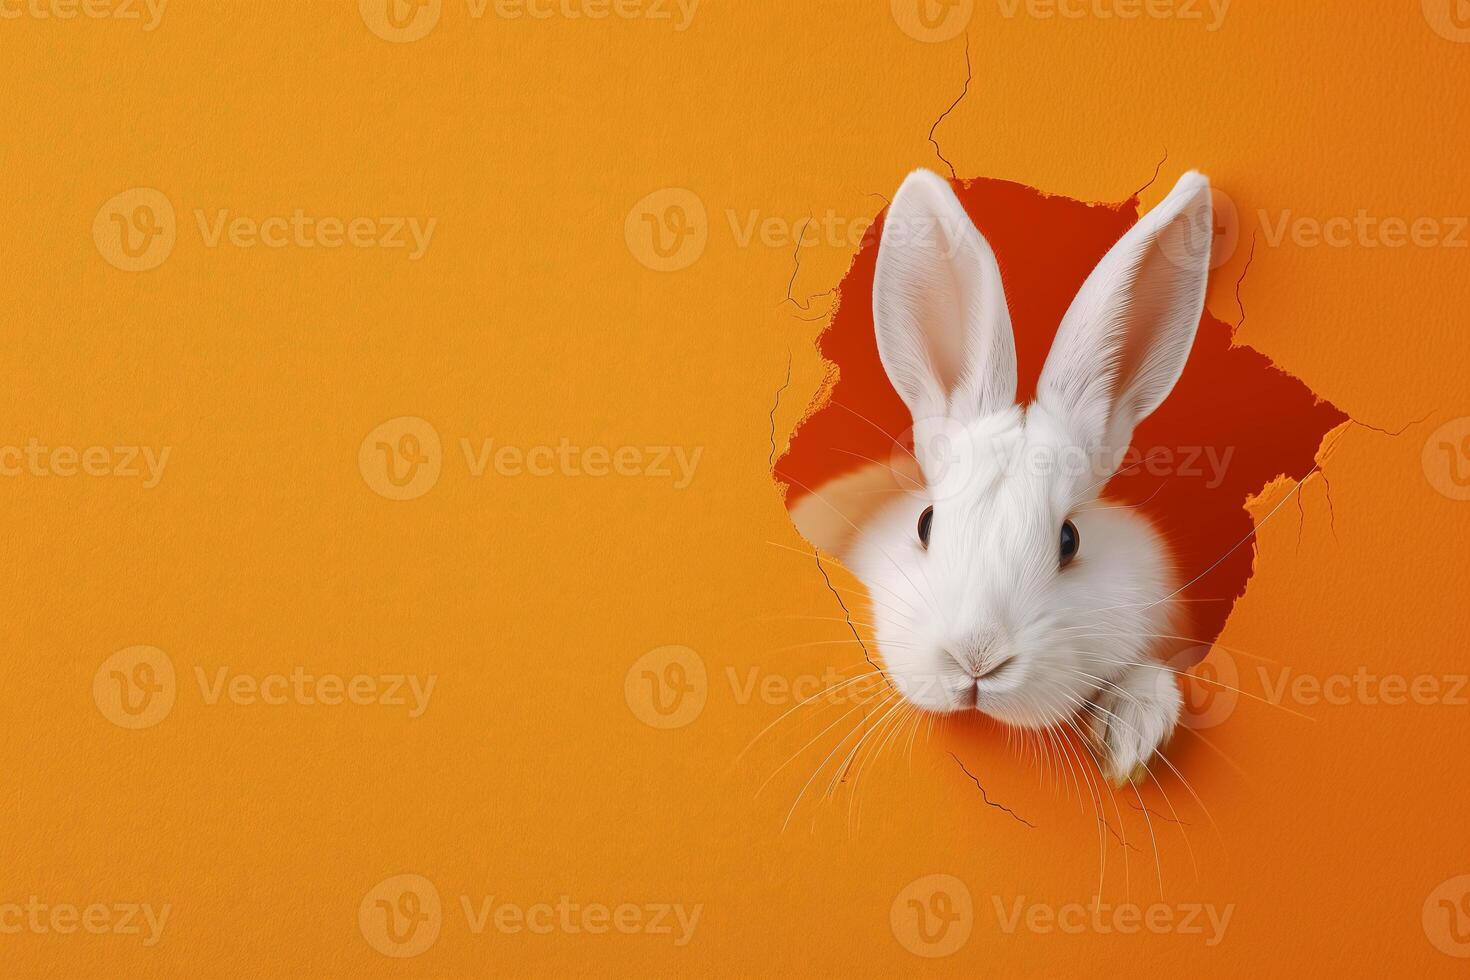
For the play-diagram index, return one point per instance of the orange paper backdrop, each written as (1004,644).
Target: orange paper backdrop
(394,574)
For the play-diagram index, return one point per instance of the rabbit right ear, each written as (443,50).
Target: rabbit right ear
(1125,340)
(943,330)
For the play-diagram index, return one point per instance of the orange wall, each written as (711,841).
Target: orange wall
(542,606)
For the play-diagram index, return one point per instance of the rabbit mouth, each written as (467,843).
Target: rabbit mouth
(980,694)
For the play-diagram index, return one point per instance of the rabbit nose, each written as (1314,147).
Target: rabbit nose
(981,656)
(978,669)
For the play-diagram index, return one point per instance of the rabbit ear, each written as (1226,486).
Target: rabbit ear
(944,333)
(1123,343)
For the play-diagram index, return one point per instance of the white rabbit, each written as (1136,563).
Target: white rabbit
(1003,585)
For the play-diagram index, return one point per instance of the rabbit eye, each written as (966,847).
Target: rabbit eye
(1071,541)
(926,521)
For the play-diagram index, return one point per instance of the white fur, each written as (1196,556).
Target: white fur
(986,618)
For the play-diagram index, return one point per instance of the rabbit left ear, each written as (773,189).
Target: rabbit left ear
(1124,342)
(939,310)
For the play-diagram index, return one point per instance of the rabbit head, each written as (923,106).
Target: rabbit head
(1002,585)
